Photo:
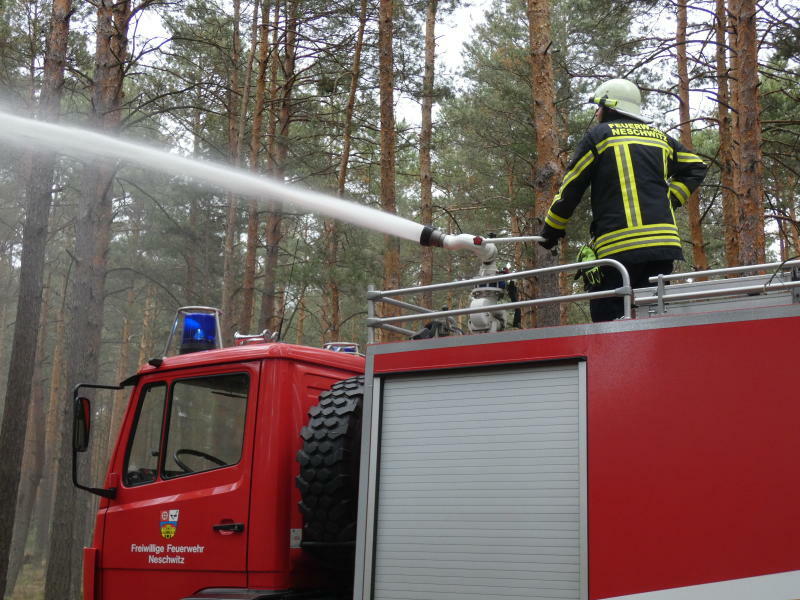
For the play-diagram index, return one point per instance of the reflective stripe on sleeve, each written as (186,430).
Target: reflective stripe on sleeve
(688,157)
(679,190)
(573,173)
(555,221)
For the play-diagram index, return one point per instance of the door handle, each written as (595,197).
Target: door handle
(229,527)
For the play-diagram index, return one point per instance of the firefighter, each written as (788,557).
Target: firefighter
(638,175)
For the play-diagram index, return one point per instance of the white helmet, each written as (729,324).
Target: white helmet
(622,96)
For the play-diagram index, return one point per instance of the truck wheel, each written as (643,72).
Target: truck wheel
(329,462)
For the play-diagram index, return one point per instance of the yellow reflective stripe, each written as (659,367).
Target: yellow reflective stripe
(637,209)
(555,221)
(635,244)
(679,190)
(626,185)
(612,141)
(629,232)
(573,173)
(688,157)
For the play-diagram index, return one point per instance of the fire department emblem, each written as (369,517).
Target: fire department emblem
(169,523)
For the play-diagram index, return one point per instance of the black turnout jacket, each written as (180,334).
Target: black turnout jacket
(638,175)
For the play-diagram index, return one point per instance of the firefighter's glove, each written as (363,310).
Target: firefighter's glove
(592,277)
(551,237)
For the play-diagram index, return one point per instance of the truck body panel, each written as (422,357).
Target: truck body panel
(691,441)
(157,537)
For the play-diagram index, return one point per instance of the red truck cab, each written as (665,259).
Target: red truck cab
(203,476)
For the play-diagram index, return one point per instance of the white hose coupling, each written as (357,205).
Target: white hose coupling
(465,241)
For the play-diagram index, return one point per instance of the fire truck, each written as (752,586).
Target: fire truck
(648,458)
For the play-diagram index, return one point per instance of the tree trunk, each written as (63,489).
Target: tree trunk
(516,231)
(795,228)
(92,238)
(34,240)
(736,146)
(193,273)
(232,225)
(273,227)
(391,255)
(699,259)
(281,313)
(783,209)
(269,311)
(148,319)
(273,241)
(228,271)
(751,167)
(123,371)
(4,310)
(252,222)
(347,126)
(548,168)
(331,301)
(33,458)
(730,215)
(248,286)
(52,445)
(245,92)
(425,136)
(23,358)
(7,295)
(301,320)
(249,277)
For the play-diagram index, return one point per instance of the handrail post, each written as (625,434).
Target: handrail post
(370,314)
(627,303)
(627,299)
(660,293)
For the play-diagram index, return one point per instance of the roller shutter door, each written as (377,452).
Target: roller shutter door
(480,485)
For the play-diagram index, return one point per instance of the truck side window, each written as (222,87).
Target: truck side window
(206,423)
(141,465)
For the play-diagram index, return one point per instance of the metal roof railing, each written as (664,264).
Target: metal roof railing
(784,278)
(774,281)
(420,313)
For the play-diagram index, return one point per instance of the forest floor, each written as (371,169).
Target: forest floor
(30,584)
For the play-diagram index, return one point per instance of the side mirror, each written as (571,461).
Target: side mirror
(81,424)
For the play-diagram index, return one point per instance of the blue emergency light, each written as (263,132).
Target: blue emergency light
(199,332)
(199,328)
(347,347)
